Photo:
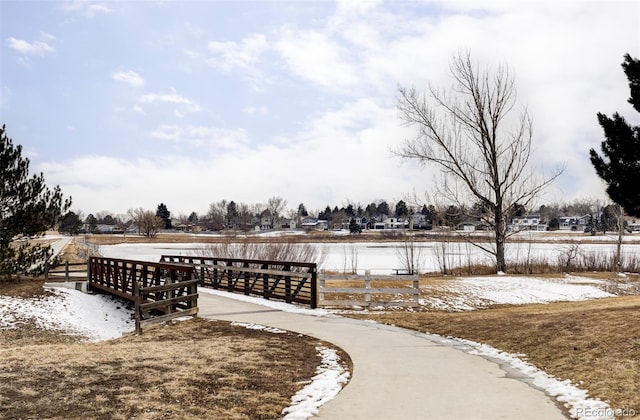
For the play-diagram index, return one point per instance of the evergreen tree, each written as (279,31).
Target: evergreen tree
(401,209)
(163,213)
(302,211)
(619,165)
(354,226)
(232,214)
(92,222)
(70,224)
(383,208)
(193,217)
(27,209)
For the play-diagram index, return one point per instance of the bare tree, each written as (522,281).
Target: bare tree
(217,215)
(146,221)
(275,205)
(483,151)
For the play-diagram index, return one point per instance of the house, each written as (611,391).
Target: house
(574,223)
(472,226)
(420,221)
(528,222)
(633,225)
(314,224)
(289,224)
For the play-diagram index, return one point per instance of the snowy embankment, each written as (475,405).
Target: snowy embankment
(96,317)
(469,293)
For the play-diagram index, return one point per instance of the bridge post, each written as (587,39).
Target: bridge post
(137,300)
(314,287)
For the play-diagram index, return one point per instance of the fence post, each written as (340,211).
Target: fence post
(46,271)
(367,287)
(314,287)
(137,300)
(89,274)
(416,285)
(66,271)
(287,285)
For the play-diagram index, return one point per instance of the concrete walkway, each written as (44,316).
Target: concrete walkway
(398,373)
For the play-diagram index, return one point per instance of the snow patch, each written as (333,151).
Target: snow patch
(575,399)
(329,379)
(258,327)
(96,317)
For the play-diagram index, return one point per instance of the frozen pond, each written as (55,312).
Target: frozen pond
(385,257)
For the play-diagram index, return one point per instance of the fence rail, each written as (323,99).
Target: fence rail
(66,272)
(383,295)
(292,282)
(161,291)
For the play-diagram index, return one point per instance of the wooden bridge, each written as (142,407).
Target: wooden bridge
(161,291)
(288,281)
(169,289)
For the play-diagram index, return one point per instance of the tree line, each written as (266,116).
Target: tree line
(473,132)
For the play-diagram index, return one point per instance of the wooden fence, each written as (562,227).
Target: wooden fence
(370,294)
(67,272)
(161,291)
(292,282)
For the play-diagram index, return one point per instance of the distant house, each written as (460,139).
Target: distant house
(472,226)
(395,223)
(633,225)
(420,221)
(289,224)
(312,223)
(574,223)
(528,222)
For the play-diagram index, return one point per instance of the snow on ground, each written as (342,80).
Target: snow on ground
(96,317)
(575,399)
(328,382)
(468,293)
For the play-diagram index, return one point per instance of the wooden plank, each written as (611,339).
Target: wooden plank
(258,270)
(325,303)
(168,317)
(339,303)
(168,286)
(168,302)
(372,277)
(362,290)
(242,260)
(128,296)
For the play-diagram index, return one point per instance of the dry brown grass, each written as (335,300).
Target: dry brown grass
(186,370)
(595,343)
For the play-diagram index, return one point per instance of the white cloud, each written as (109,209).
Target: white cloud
(84,7)
(231,55)
(170,98)
(315,56)
(256,110)
(129,77)
(39,48)
(212,139)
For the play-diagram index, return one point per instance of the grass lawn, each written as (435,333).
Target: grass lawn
(185,370)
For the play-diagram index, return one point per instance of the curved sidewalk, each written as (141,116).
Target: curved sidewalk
(400,374)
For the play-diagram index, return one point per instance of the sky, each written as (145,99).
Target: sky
(136,103)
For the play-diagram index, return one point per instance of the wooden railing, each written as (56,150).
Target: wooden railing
(67,272)
(292,282)
(344,286)
(161,291)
